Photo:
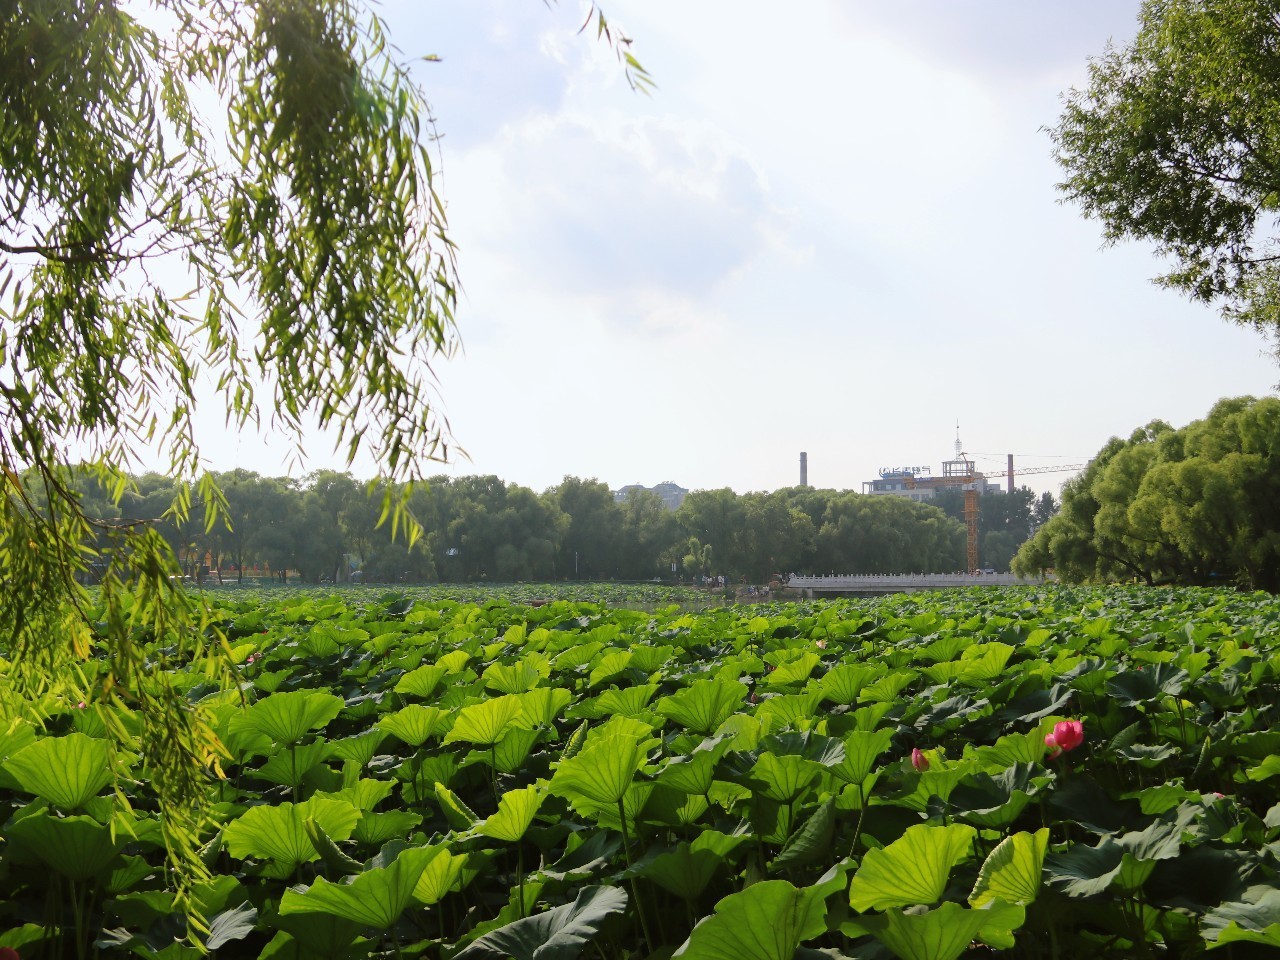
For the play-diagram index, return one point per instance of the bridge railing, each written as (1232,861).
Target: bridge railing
(898,581)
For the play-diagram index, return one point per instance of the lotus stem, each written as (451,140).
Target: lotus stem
(635,889)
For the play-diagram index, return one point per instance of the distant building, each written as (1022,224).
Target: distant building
(672,494)
(920,484)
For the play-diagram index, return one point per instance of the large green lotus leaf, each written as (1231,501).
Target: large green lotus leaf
(606,816)
(944,672)
(376,897)
(516,809)
(1011,749)
(672,808)
(794,671)
(767,921)
(508,754)
(704,704)
(609,666)
(1012,872)
(686,870)
(439,877)
(1255,919)
(946,647)
(314,936)
(602,772)
(1084,871)
(415,723)
(649,659)
(375,829)
(279,833)
(941,934)
(67,771)
(912,870)
(992,803)
(290,765)
(78,848)
(887,688)
(1161,840)
(986,661)
(487,722)
(287,717)
(1133,687)
(861,750)
(360,748)
(557,934)
(842,684)
(812,841)
(365,794)
(578,655)
(626,702)
(459,815)
(540,707)
(694,773)
(938,781)
(784,778)
(792,709)
(512,677)
(423,681)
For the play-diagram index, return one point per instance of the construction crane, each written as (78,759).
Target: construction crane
(960,473)
(1063,468)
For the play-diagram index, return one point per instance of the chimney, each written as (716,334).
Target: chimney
(804,469)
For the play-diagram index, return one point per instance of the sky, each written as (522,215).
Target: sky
(832,227)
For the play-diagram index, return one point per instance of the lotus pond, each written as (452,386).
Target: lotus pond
(414,776)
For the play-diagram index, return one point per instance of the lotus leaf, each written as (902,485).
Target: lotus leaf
(540,707)
(704,704)
(912,870)
(557,934)
(766,921)
(441,874)
(1012,872)
(512,678)
(487,722)
(279,833)
(941,934)
(609,666)
(376,898)
(415,724)
(516,810)
(78,847)
(67,771)
(686,870)
(861,750)
(423,681)
(602,772)
(287,717)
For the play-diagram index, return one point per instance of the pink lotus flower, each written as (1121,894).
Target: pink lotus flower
(919,760)
(1067,735)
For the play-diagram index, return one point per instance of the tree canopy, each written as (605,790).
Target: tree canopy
(227,202)
(1197,505)
(1176,140)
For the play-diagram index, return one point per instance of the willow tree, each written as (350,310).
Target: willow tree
(219,201)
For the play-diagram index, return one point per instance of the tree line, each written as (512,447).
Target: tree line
(330,526)
(1196,506)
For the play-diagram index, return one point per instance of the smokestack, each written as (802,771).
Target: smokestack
(1009,482)
(804,469)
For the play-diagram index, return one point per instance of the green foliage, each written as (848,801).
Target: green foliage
(1174,141)
(793,824)
(1188,506)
